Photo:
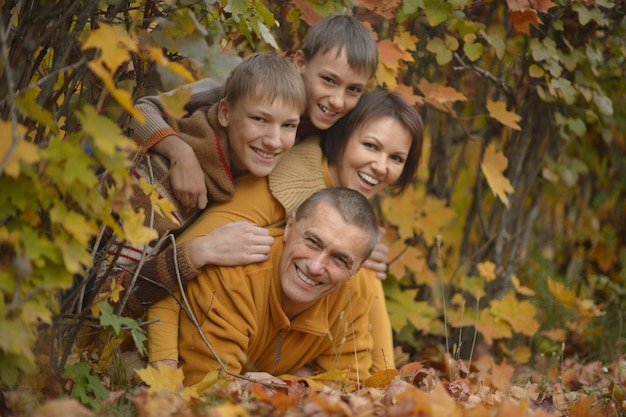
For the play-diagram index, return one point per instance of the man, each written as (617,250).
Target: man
(299,308)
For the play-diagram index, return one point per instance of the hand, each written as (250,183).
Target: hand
(238,243)
(263,378)
(186,175)
(378,259)
(167,362)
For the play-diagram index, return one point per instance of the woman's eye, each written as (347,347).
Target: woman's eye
(398,159)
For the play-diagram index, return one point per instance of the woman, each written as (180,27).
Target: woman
(377,145)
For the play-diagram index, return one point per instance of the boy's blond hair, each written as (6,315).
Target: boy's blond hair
(346,33)
(266,76)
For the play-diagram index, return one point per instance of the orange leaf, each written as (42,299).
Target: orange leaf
(280,399)
(384,8)
(381,378)
(309,15)
(501,375)
(493,164)
(523,19)
(497,110)
(439,96)
(407,93)
(391,54)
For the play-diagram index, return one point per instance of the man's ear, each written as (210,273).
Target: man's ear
(299,60)
(291,223)
(223,111)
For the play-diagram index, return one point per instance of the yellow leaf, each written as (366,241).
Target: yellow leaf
(175,67)
(123,97)
(403,257)
(406,41)
(564,295)
(161,378)
(116,289)
(114,44)
(519,288)
(107,136)
(174,104)
(24,151)
(519,314)
(492,327)
(79,227)
(162,206)
(493,164)
(497,110)
(381,378)
(386,76)
(336,375)
(134,230)
(487,270)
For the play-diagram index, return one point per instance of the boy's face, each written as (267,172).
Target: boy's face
(332,87)
(259,132)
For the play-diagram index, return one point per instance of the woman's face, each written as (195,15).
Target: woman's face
(374,157)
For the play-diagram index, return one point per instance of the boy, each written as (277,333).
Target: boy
(338,57)
(247,131)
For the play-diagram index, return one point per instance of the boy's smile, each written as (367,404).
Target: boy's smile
(332,87)
(259,132)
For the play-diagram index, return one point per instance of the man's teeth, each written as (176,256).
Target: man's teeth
(370,180)
(305,279)
(326,111)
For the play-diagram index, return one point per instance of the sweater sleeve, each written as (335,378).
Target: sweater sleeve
(204,92)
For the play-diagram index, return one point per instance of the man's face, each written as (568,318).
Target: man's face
(260,132)
(321,253)
(332,87)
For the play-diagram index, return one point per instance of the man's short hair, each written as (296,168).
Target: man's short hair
(266,76)
(346,33)
(353,207)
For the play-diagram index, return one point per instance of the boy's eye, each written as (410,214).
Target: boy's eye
(355,90)
(290,125)
(257,118)
(328,80)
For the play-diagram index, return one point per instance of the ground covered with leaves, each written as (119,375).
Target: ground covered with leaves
(428,388)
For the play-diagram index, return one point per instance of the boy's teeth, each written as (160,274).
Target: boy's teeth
(368,179)
(326,111)
(264,154)
(305,279)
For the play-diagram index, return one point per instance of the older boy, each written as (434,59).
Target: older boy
(301,307)
(247,131)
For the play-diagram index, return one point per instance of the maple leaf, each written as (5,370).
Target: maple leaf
(406,41)
(519,314)
(497,110)
(175,67)
(309,15)
(381,378)
(123,97)
(492,166)
(134,230)
(386,76)
(162,206)
(24,151)
(501,374)
(114,44)
(493,327)
(280,399)
(161,378)
(519,288)
(439,96)
(404,309)
(523,19)
(174,104)
(407,93)
(405,257)
(391,54)
(564,295)
(487,270)
(384,8)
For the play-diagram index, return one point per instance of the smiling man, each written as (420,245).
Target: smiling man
(302,307)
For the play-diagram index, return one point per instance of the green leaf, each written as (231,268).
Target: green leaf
(604,104)
(443,55)
(437,11)
(535,71)
(27,105)
(473,51)
(107,136)
(119,324)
